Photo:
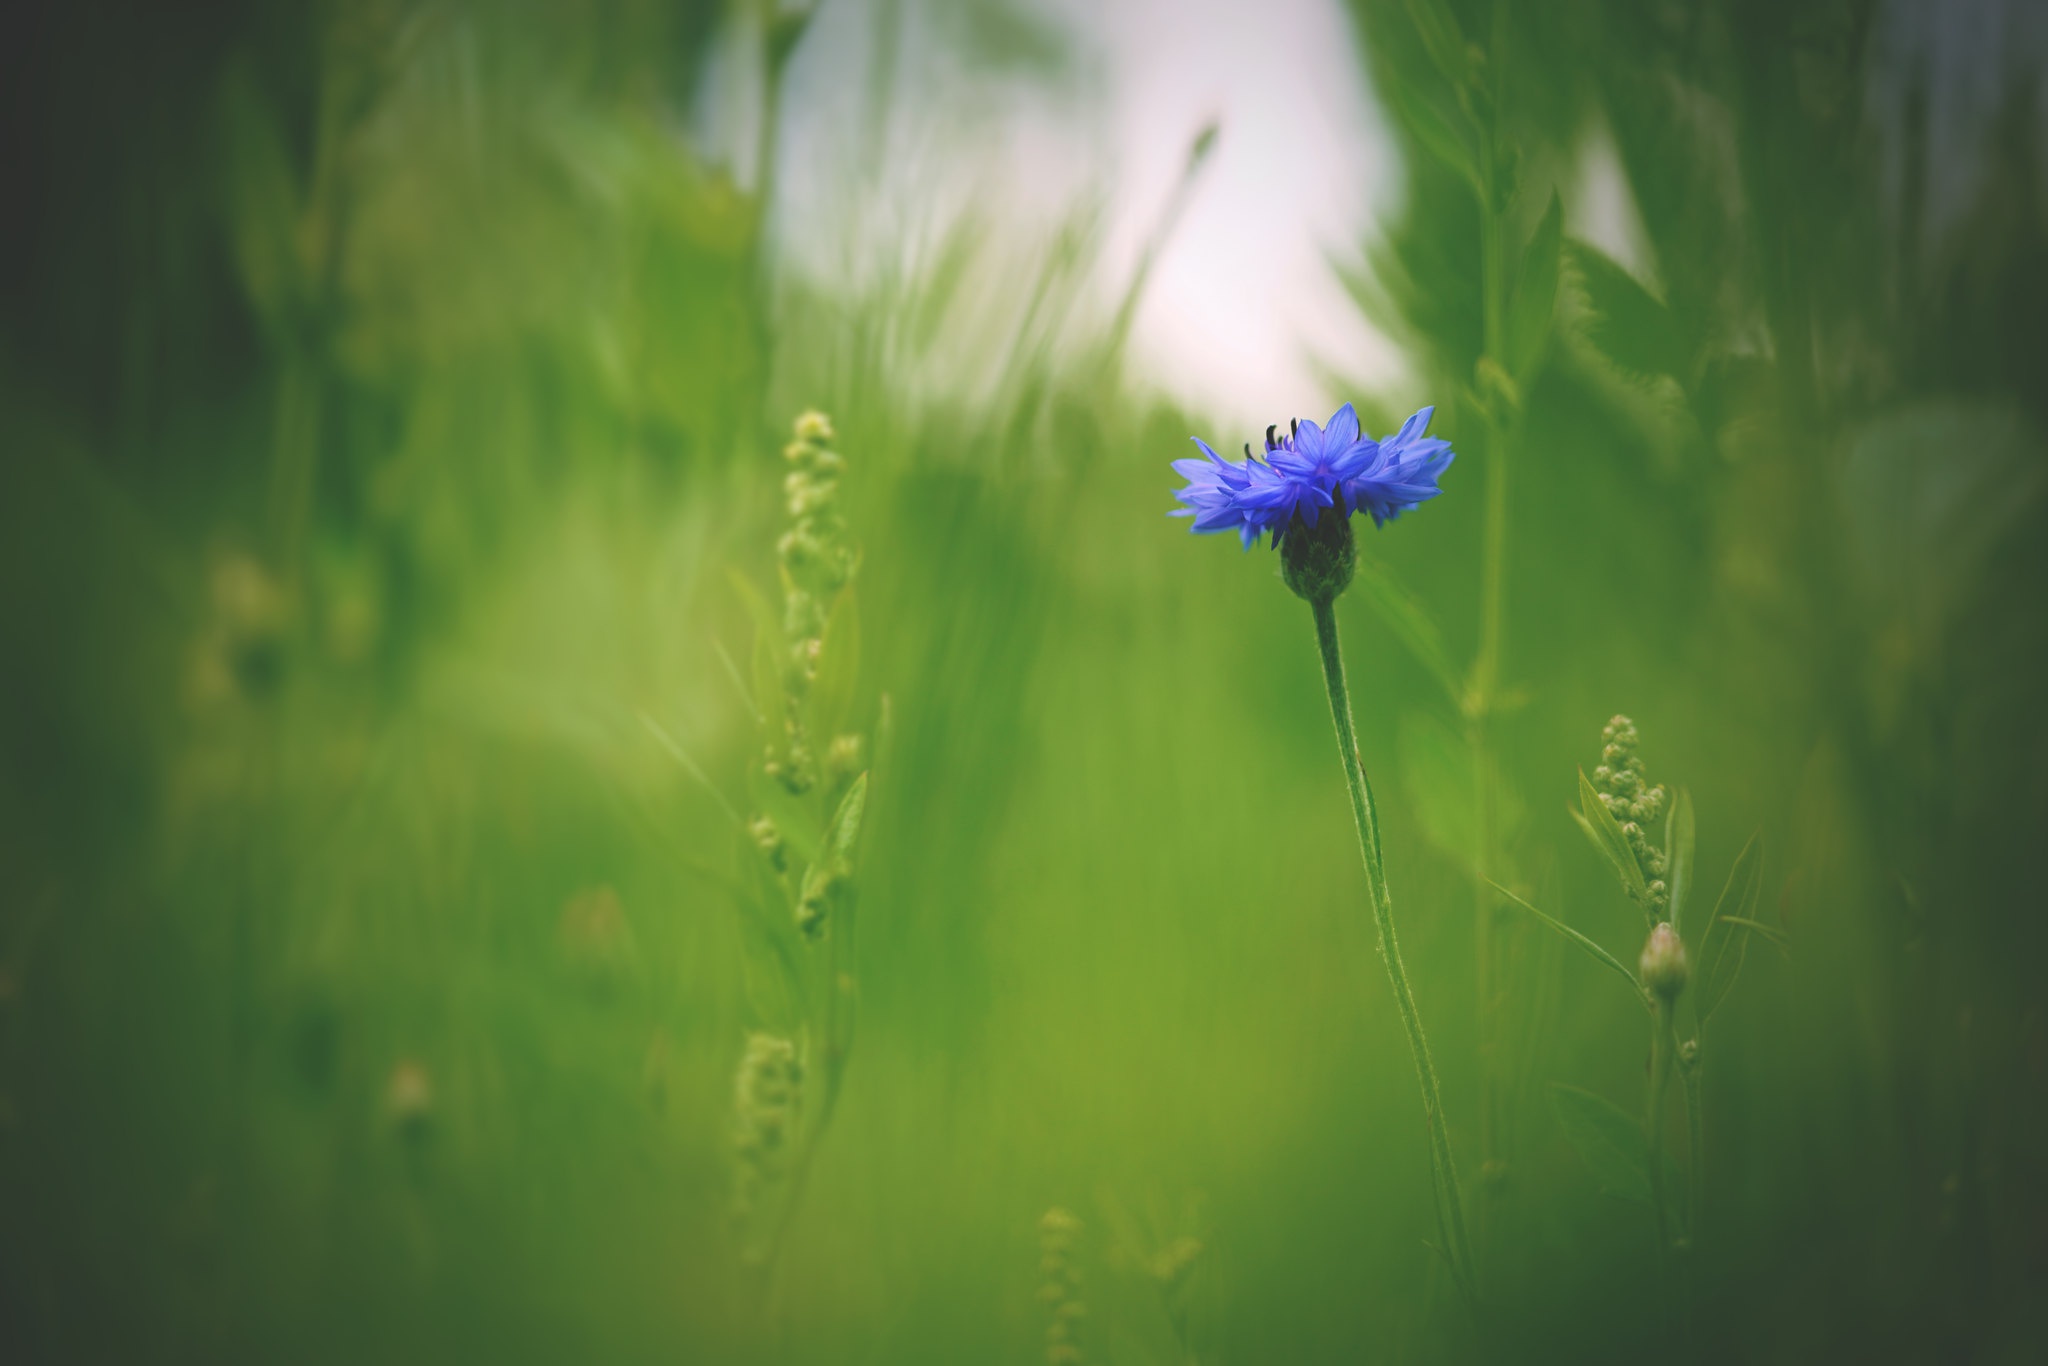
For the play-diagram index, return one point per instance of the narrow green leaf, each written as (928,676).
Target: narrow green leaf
(1777,937)
(1723,947)
(690,766)
(1593,950)
(1605,833)
(1535,300)
(739,682)
(843,834)
(1679,838)
(1409,622)
(826,878)
(1608,1138)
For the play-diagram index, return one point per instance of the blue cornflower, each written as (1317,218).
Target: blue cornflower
(1314,464)
(1309,469)
(1225,495)
(1402,472)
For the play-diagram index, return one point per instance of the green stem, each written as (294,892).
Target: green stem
(1484,687)
(1694,1165)
(1663,1051)
(1450,1209)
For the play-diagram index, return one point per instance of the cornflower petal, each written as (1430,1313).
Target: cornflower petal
(1308,469)
(1343,428)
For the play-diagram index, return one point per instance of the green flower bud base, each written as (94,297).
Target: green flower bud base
(1317,562)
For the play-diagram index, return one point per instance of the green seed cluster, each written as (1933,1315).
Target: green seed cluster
(1632,802)
(767,1099)
(1059,1287)
(817,562)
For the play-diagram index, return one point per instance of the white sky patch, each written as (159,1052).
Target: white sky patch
(1601,208)
(1243,311)
(1243,302)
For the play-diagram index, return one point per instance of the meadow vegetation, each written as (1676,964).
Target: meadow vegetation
(449,739)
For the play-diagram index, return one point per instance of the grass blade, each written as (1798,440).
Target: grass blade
(1722,949)
(1598,954)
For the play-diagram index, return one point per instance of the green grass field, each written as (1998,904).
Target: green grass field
(396,658)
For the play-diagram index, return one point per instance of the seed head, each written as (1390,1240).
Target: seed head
(813,426)
(1627,795)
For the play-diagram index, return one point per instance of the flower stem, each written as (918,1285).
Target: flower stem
(1695,1175)
(1450,1210)
(1663,1054)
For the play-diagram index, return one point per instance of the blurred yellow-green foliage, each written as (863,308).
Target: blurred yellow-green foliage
(390,391)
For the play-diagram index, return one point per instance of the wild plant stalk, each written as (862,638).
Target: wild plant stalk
(1481,700)
(1450,1207)
(1515,308)
(1695,1136)
(809,790)
(1663,1054)
(1304,494)
(1615,806)
(1664,973)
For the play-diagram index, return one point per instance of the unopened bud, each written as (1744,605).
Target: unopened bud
(1663,963)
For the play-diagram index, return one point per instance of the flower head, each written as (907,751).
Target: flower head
(1220,494)
(1402,473)
(1309,469)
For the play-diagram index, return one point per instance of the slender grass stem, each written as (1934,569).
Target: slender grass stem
(1482,695)
(1695,1146)
(1663,1054)
(1450,1208)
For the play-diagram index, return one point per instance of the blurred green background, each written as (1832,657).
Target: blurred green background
(389,392)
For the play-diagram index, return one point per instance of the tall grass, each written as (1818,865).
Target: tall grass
(388,393)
